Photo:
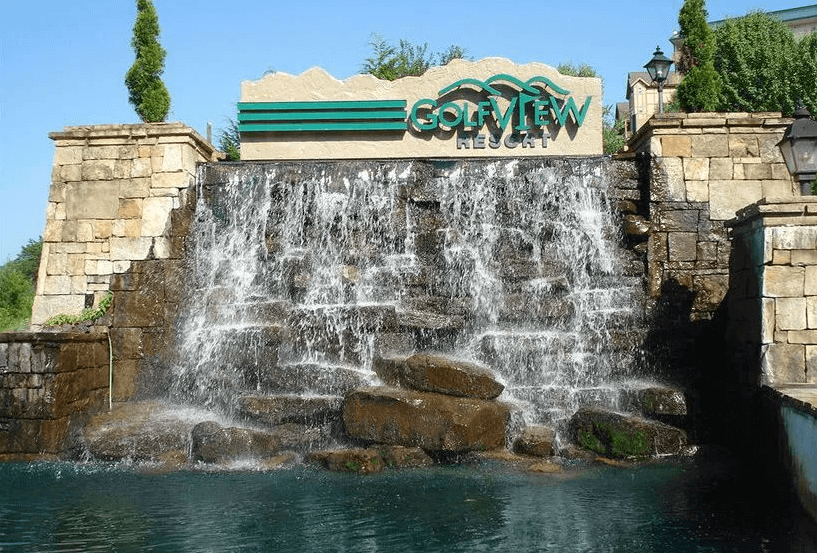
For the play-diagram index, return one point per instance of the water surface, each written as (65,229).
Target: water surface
(685,506)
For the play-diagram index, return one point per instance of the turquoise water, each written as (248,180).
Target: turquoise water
(685,506)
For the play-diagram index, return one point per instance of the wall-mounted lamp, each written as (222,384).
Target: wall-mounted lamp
(799,148)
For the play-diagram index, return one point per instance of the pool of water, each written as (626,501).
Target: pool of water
(691,505)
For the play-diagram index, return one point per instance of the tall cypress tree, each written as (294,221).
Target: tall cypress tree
(146,91)
(700,88)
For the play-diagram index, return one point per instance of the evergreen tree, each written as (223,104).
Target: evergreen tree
(147,93)
(700,88)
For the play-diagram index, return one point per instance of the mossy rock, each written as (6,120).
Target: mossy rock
(620,436)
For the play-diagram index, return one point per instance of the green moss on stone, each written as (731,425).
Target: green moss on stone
(588,440)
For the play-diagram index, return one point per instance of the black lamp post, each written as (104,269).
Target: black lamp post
(658,68)
(799,148)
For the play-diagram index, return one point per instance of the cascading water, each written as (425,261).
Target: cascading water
(303,272)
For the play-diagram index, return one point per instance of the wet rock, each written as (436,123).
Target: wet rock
(536,441)
(397,456)
(137,431)
(322,379)
(361,461)
(300,437)
(282,460)
(434,373)
(434,422)
(620,436)
(545,467)
(273,410)
(213,443)
(656,401)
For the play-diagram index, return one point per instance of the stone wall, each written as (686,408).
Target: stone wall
(702,168)
(45,380)
(118,213)
(772,307)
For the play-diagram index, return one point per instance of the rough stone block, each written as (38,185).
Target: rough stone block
(743,146)
(67,155)
(102,228)
(697,191)
(432,373)
(802,337)
(720,168)
(130,208)
(790,313)
(156,216)
(728,196)
(804,257)
(782,281)
(769,151)
(133,228)
(99,170)
(92,200)
(682,246)
(676,146)
(132,249)
(179,179)
(46,307)
(696,168)
(767,319)
(781,257)
(781,172)
(810,286)
(811,364)
(782,363)
(777,189)
(794,238)
(811,312)
(674,187)
(710,145)
(757,171)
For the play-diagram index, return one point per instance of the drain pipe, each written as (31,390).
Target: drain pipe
(110,371)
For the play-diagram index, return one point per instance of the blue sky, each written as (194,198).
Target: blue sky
(62,62)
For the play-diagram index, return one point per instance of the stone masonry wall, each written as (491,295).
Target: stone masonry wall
(772,308)
(119,210)
(702,168)
(45,380)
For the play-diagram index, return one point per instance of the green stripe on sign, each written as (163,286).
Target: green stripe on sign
(355,104)
(323,126)
(320,115)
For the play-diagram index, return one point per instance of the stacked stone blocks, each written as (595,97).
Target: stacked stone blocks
(775,274)
(704,167)
(45,380)
(119,210)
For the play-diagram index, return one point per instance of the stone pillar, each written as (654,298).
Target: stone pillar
(703,168)
(772,307)
(112,192)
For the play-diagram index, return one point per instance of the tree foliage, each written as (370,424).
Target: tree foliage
(612,132)
(756,59)
(390,62)
(17,278)
(146,91)
(807,71)
(700,88)
(229,141)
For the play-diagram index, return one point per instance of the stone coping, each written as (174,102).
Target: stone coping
(137,131)
(803,210)
(802,397)
(46,337)
(667,122)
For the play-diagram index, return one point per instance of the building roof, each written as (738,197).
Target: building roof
(786,16)
(634,76)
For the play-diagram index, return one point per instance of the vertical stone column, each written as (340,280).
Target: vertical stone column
(112,192)
(704,167)
(772,306)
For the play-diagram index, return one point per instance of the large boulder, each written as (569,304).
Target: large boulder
(536,441)
(620,436)
(434,422)
(434,373)
(213,443)
(273,410)
(656,401)
(361,461)
(138,431)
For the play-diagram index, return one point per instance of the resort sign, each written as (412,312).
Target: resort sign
(489,108)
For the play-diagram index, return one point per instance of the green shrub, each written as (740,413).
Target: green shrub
(146,91)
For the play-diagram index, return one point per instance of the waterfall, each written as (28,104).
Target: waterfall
(301,273)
